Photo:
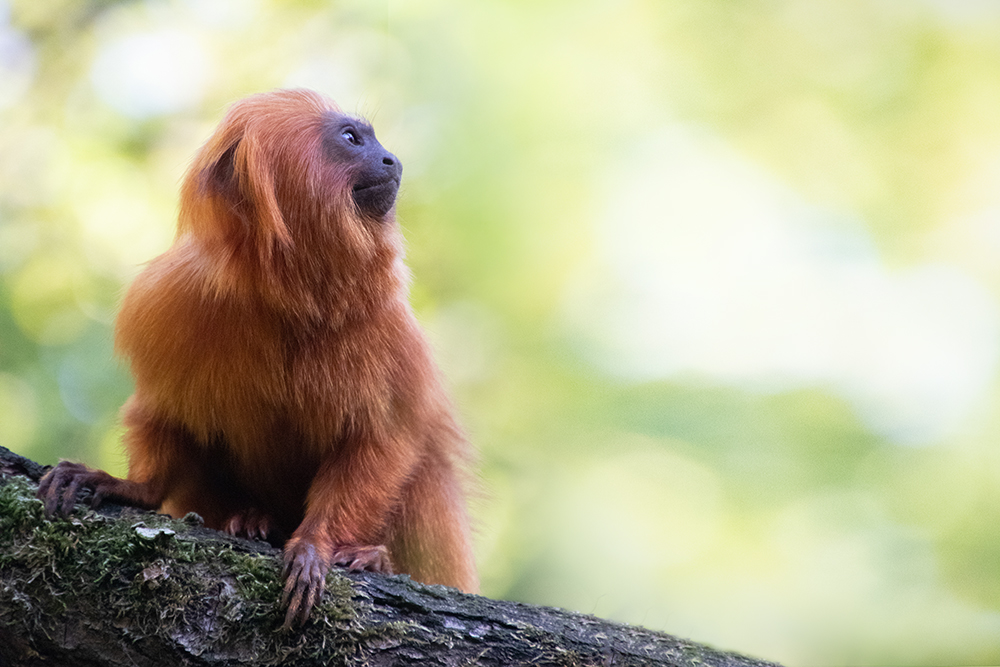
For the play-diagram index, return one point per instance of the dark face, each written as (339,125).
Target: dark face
(375,171)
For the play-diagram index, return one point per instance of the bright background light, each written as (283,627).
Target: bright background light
(715,284)
(708,266)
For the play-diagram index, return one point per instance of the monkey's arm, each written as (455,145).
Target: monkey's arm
(347,507)
(60,485)
(155,456)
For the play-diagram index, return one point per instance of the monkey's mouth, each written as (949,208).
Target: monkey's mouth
(375,198)
(389,183)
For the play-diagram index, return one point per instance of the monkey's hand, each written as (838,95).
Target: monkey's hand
(305,580)
(305,574)
(59,487)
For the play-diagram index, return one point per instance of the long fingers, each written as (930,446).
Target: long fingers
(59,487)
(50,499)
(305,581)
(374,558)
(69,495)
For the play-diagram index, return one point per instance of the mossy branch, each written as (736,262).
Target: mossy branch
(123,587)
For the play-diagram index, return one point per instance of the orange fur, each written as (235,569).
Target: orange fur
(283,387)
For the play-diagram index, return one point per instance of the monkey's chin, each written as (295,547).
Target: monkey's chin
(376,199)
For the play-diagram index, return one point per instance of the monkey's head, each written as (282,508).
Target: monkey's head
(292,194)
(374,171)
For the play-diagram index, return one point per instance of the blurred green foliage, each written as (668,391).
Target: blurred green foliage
(771,515)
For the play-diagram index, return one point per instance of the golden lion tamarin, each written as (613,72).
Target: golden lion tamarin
(283,388)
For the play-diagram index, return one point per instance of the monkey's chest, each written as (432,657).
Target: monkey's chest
(230,374)
(265,405)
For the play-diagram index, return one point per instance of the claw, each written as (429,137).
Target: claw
(304,572)
(250,523)
(369,558)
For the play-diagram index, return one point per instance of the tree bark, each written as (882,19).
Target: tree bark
(118,586)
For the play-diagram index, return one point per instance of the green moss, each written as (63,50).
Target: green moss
(19,510)
(150,572)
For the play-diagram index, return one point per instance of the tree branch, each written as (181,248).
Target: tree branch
(118,586)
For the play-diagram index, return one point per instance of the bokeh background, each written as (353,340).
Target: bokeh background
(715,283)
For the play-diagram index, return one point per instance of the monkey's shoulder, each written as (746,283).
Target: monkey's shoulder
(177,334)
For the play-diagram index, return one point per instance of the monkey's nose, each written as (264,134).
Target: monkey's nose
(392,165)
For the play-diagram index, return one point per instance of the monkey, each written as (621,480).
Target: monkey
(284,389)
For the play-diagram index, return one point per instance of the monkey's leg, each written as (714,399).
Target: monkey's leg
(429,538)
(210,487)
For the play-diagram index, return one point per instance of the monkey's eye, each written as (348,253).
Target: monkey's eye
(351,136)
